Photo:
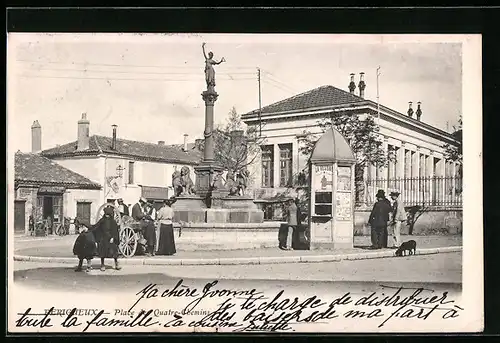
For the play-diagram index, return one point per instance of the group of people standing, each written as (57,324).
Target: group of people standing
(386,213)
(160,241)
(103,238)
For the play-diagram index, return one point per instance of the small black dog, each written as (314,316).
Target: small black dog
(410,246)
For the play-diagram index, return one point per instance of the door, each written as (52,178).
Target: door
(19,216)
(83,212)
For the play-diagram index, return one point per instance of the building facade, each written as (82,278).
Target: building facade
(420,171)
(127,169)
(46,190)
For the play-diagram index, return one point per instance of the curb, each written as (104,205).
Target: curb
(246,260)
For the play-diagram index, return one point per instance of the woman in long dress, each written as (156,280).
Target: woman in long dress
(209,69)
(166,243)
(107,237)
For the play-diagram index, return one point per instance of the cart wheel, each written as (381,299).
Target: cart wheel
(128,242)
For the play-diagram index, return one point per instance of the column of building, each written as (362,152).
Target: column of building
(400,167)
(385,169)
(407,174)
(415,171)
(441,173)
(430,175)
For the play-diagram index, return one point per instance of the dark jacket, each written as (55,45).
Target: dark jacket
(137,213)
(85,247)
(105,229)
(380,213)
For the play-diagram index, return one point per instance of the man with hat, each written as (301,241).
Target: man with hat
(147,225)
(123,208)
(398,217)
(379,217)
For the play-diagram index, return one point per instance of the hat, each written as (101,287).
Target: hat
(120,199)
(394,194)
(380,193)
(142,199)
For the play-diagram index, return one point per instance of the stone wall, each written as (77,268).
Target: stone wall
(227,236)
(444,221)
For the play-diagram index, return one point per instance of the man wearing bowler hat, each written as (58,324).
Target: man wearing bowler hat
(379,217)
(398,217)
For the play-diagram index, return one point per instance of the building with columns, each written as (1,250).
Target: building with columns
(420,171)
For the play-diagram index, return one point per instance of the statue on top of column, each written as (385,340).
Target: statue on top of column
(209,68)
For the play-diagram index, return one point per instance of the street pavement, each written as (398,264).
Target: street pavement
(436,268)
(63,247)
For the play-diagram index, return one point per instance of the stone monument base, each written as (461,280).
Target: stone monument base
(232,209)
(189,209)
(203,236)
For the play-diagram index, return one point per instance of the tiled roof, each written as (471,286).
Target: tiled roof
(323,96)
(39,170)
(133,149)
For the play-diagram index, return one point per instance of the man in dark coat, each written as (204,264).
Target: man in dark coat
(379,217)
(139,213)
(107,237)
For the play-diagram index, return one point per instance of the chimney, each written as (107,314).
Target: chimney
(113,140)
(161,142)
(410,109)
(419,111)
(352,84)
(83,133)
(36,137)
(185,148)
(362,85)
(198,143)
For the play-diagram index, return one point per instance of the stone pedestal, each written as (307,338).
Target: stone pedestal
(189,209)
(205,174)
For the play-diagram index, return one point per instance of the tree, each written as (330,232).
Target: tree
(453,152)
(236,144)
(362,133)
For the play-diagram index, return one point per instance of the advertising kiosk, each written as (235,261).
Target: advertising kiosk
(331,217)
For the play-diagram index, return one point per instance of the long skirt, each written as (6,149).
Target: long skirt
(166,241)
(105,249)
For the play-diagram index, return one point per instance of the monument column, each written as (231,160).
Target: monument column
(209,97)
(207,185)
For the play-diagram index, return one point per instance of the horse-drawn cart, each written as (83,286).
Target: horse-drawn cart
(131,237)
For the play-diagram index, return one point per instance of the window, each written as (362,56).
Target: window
(285,165)
(267,166)
(131,173)
(57,209)
(323,203)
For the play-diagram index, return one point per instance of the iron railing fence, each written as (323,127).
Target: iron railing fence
(443,191)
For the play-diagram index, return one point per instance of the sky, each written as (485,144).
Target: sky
(150,84)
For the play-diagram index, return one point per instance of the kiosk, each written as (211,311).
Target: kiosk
(331,210)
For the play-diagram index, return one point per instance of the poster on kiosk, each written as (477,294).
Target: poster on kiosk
(332,193)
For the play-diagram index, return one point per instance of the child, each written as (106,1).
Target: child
(85,248)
